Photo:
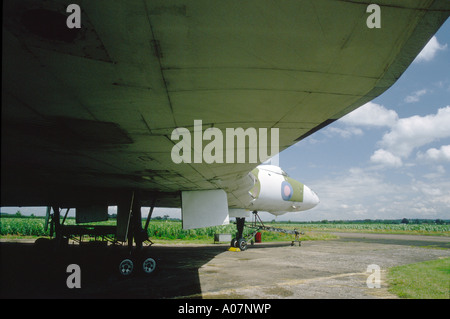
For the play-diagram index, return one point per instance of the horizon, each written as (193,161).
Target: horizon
(232,219)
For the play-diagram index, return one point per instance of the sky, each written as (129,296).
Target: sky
(389,159)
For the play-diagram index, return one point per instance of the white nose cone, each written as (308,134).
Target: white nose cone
(310,198)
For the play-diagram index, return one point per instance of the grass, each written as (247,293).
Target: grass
(170,230)
(425,280)
(160,231)
(379,228)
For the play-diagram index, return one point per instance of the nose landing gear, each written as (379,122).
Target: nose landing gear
(241,242)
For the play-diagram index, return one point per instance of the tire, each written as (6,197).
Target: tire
(126,267)
(242,244)
(148,265)
(233,242)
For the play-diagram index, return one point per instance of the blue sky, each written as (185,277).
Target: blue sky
(391,157)
(388,159)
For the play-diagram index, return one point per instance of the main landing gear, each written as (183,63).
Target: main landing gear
(127,266)
(137,259)
(126,252)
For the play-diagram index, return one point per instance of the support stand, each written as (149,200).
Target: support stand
(241,242)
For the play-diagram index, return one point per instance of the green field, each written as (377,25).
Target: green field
(172,229)
(383,228)
(425,280)
(158,230)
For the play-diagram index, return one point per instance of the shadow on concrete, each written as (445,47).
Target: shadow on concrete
(29,272)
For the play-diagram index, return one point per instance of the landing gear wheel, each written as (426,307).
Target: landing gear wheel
(242,244)
(233,242)
(149,265)
(126,267)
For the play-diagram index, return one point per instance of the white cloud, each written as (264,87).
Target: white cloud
(345,133)
(439,172)
(405,135)
(430,50)
(416,131)
(434,194)
(348,191)
(371,114)
(359,193)
(430,191)
(438,155)
(386,158)
(415,96)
